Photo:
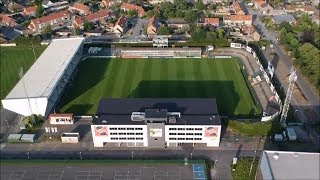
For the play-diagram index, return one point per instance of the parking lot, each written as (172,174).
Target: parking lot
(90,172)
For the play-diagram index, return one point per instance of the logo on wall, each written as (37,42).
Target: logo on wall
(101,131)
(155,132)
(211,132)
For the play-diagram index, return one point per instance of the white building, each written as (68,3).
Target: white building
(156,122)
(289,165)
(42,85)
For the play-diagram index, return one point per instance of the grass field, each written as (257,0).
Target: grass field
(11,59)
(182,78)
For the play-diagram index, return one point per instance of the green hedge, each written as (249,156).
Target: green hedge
(257,129)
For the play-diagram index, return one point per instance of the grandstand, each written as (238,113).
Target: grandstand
(40,89)
(161,53)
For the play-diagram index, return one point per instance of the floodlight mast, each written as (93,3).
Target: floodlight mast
(20,72)
(286,106)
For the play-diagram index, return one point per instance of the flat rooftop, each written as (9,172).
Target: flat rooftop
(194,111)
(293,165)
(44,74)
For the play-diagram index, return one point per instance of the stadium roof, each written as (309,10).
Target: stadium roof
(44,74)
(195,111)
(293,165)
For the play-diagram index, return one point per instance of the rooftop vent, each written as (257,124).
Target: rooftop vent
(172,120)
(104,121)
(276,157)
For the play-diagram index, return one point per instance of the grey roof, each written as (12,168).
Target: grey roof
(41,78)
(194,111)
(278,19)
(293,165)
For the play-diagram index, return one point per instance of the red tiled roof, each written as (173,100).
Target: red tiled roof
(81,7)
(237,8)
(78,21)
(14,6)
(238,17)
(98,15)
(51,17)
(211,20)
(31,9)
(260,2)
(121,21)
(129,6)
(7,20)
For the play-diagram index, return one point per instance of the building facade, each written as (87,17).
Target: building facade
(156,123)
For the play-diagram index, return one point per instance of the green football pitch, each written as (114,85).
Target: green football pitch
(11,59)
(160,78)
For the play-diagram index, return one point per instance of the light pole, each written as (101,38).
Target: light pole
(7,124)
(28,155)
(191,156)
(80,155)
(294,114)
(131,154)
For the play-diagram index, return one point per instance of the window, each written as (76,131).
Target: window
(139,138)
(172,138)
(138,133)
(138,128)
(189,133)
(198,134)
(172,128)
(172,133)
(122,138)
(122,133)
(113,133)
(181,138)
(131,138)
(113,128)
(130,133)
(190,129)
(197,139)
(181,129)
(122,128)
(189,138)
(130,128)
(114,138)
(181,134)
(198,129)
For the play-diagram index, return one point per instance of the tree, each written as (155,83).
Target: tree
(190,16)
(275,3)
(181,4)
(200,5)
(88,26)
(180,14)
(38,2)
(283,33)
(198,34)
(76,31)
(163,30)
(152,13)
(289,38)
(220,33)
(294,43)
(286,25)
(47,31)
(39,11)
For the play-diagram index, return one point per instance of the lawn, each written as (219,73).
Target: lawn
(242,169)
(169,78)
(12,58)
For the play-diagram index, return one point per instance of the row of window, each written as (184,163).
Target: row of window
(125,138)
(120,128)
(188,129)
(121,133)
(186,139)
(192,134)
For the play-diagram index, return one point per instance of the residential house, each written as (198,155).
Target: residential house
(152,26)
(222,11)
(107,3)
(214,1)
(131,7)
(237,20)
(57,20)
(263,6)
(80,8)
(209,22)
(177,23)
(30,11)
(278,19)
(121,25)
(309,9)
(14,7)
(100,16)
(7,21)
(235,8)
(250,33)
(55,6)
